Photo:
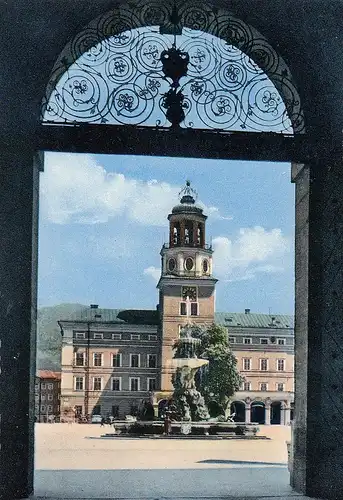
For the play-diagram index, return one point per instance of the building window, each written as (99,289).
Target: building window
(98,336)
(281,341)
(247,340)
(116,384)
(49,408)
(134,384)
(79,335)
(183,308)
(80,359)
(246,364)
(134,360)
(280,387)
(43,397)
(151,384)
(194,309)
(116,336)
(116,360)
(78,383)
(280,365)
(247,386)
(50,397)
(36,397)
(42,387)
(97,383)
(50,387)
(42,408)
(264,365)
(152,361)
(152,337)
(135,337)
(37,387)
(97,359)
(232,340)
(263,386)
(263,341)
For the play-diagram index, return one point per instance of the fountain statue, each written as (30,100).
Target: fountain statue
(188,400)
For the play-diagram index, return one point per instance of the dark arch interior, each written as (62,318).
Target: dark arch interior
(275,413)
(258,412)
(238,407)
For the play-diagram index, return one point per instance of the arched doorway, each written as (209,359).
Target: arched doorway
(276,413)
(162,405)
(238,407)
(258,412)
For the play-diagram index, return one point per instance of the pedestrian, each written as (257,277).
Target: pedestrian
(167,425)
(103,421)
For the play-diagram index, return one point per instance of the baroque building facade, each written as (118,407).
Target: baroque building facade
(113,360)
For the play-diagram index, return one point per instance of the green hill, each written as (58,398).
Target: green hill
(49,337)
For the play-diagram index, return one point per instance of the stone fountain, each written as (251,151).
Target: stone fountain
(188,400)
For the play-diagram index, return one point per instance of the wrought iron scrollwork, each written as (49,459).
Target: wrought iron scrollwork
(219,74)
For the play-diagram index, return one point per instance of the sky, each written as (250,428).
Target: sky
(103,220)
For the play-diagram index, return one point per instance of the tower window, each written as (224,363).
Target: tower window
(183,308)
(189,264)
(176,234)
(189,234)
(171,264)
(205,265)
(194,309)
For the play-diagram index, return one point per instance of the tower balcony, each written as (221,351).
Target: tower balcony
(205,246)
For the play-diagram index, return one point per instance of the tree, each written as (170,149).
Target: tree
(220,379)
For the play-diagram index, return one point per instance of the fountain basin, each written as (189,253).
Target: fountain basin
(194,428)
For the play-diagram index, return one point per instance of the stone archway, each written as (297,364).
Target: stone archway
(238,407)
(276,413)
(258,412)
(162,405)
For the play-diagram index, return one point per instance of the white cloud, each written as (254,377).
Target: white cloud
(254,251)
(215,214)
(77,189)
(154,272)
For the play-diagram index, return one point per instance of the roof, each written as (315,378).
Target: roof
(254,320)
(95,315)
(131,316)
(147,316)
(48,374)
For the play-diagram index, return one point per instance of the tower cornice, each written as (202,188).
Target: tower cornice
(185,280)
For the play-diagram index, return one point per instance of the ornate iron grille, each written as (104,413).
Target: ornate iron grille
(112,72)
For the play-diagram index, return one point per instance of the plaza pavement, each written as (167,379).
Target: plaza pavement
(74,462)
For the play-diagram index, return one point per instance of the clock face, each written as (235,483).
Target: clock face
(189,292)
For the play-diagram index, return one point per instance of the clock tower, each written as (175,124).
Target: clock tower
(186,284)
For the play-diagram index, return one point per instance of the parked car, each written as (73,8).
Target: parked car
(96,419)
